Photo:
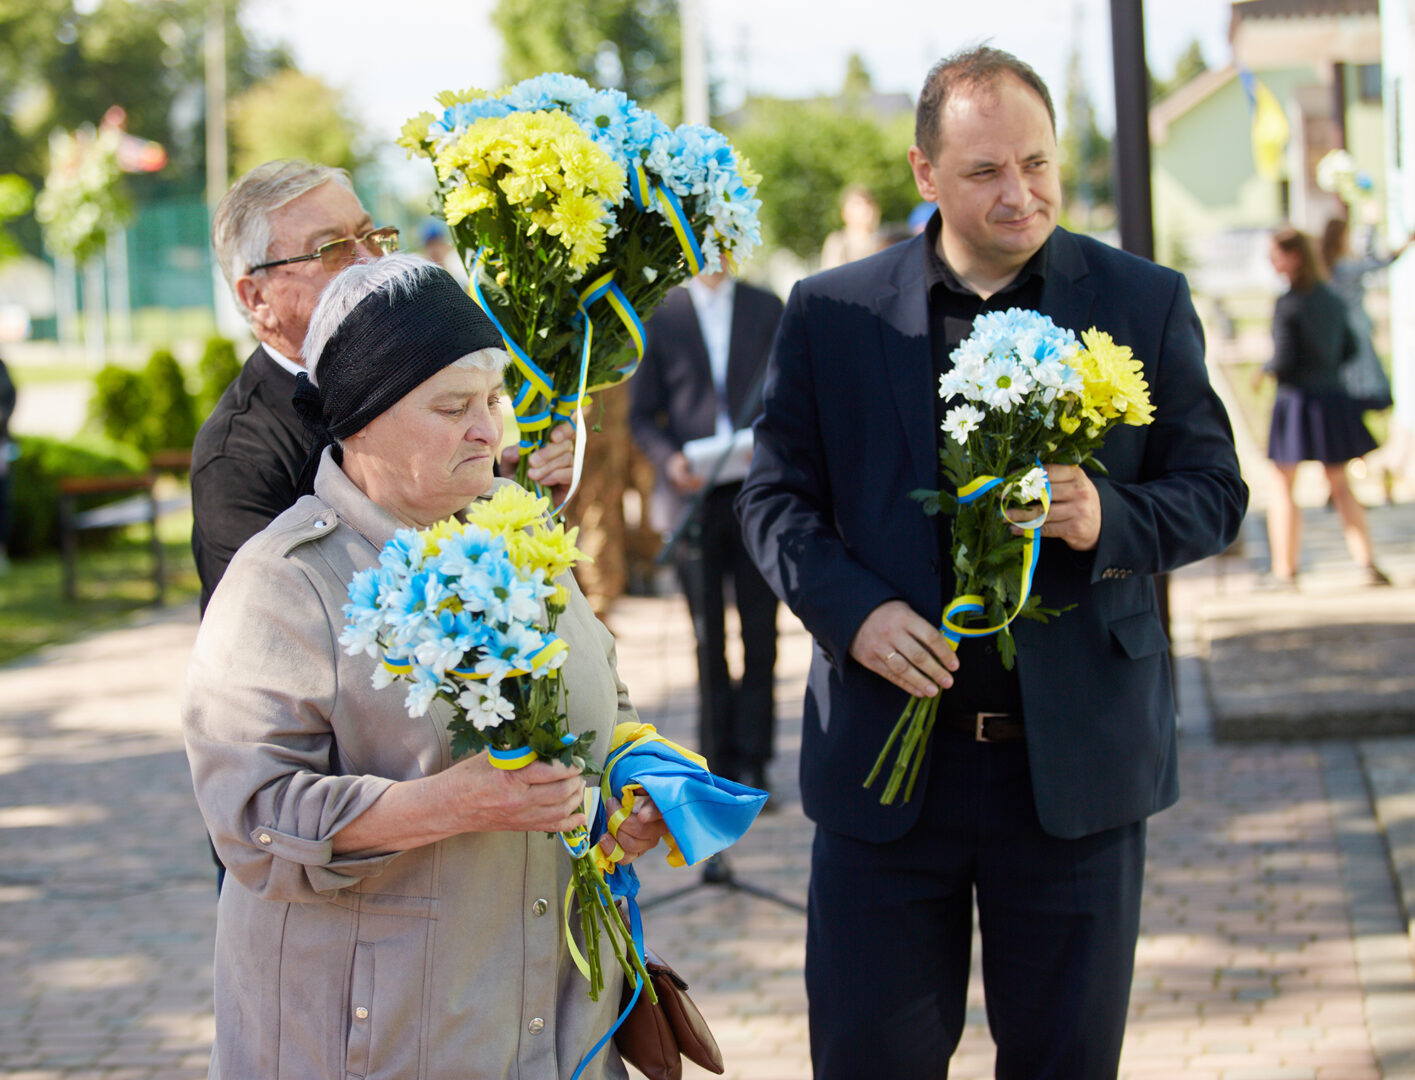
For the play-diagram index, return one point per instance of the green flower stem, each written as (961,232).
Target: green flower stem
(591,893)
(916,724)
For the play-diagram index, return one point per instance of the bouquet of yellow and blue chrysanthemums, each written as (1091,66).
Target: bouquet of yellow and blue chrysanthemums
(576,211)
(456,612)
(1028,392)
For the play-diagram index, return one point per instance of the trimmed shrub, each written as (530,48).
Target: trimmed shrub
(119,403)
(217,369)
(150,409)
(34,485)
(171,422)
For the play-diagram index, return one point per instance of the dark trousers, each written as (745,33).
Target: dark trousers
(890,929)
(735,722)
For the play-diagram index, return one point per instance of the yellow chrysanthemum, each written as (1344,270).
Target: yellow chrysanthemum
(509,510)
(433,537)
(414,135)
(577,220)
(466,200)
(750,177)
(551,550)
(448,98)
(1115,382)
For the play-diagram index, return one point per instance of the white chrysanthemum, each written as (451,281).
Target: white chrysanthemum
(1033,486)
(961,421)
(421,693)
(485,706)
(1006,383)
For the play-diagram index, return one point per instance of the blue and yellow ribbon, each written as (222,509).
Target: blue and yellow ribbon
(972,604)
(554,646)
(678,220)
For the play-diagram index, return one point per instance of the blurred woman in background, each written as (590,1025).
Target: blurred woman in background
(1313,418)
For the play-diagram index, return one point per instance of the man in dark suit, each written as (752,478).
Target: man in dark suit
(1038,780)
(704,351)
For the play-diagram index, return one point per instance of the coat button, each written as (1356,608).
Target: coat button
(536,1026)
(361,1013)
(321,524)
(264,838)
(540,907)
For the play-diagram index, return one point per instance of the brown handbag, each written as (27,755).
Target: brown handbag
(655,1038)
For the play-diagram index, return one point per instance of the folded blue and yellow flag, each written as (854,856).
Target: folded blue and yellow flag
(705,814)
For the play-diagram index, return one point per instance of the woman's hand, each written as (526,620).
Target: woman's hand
(544,796)
(471,796)
(638,832)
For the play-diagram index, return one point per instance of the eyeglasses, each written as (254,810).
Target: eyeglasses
(337,254)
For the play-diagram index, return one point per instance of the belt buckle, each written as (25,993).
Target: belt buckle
(978,720)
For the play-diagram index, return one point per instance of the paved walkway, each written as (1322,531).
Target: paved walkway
(1272,945)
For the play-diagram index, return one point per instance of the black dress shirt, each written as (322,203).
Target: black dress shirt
(981,684)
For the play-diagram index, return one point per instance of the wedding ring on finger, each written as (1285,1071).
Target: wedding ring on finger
(892,654)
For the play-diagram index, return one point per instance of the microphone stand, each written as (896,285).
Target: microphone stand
(717,871)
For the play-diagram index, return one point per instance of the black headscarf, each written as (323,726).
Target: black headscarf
(392,341)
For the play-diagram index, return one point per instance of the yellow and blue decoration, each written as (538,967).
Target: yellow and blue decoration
(970,603)
(536,404)
(704,815)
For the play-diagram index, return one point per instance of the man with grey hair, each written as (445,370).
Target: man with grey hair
(281,233)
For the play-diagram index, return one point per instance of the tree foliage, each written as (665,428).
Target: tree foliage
(292,114)
(63,63)
(808,152)
(633,45)
(1190,65)
(1085,151)
(16,197)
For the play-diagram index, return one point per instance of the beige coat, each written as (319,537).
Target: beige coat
(445,961)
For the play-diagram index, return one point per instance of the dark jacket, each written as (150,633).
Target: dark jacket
(849,430)
(1312,339)
(673,400)
(246,465)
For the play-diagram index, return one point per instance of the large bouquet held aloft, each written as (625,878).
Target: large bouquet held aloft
(1027,392)
(455,611)
(559,196)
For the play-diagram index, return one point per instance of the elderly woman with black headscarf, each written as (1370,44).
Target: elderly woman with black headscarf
(387,912)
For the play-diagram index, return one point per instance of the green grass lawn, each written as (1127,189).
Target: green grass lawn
(113,582)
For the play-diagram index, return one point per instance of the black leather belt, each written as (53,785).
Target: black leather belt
(984,726)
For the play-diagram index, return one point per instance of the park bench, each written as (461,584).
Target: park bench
(142,506)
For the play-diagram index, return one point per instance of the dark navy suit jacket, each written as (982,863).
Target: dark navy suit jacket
(848,432)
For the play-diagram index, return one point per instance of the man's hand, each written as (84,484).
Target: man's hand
(1075,516)
(680,474)
(552,465)
(898,644)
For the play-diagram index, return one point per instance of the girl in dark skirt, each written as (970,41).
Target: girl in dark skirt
(1313,419)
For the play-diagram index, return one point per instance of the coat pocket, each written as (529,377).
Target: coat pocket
(1140,635)
(360,1011)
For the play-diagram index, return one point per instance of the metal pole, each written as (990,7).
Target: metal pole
(1132,162)
(695,83)
(1132,131)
